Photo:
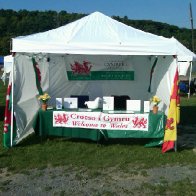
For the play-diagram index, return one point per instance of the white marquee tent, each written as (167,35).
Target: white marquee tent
(7,67)
(107,45)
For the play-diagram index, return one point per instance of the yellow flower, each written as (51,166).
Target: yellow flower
(155,100)
(45,97)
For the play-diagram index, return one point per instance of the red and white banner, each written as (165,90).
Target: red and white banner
(99,120)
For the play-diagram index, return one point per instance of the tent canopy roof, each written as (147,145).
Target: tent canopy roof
(95,34)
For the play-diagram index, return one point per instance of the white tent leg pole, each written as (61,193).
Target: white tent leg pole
(190,80)
(175,144)
(12,110)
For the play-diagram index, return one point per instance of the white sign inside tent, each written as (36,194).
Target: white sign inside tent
(85,67)
(100,120)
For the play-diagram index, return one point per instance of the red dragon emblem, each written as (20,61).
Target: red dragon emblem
(169,123)
(61,118)
(139,123)
(78,68)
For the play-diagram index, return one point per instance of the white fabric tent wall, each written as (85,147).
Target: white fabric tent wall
(25,93)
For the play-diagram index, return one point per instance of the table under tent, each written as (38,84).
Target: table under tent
(95,56)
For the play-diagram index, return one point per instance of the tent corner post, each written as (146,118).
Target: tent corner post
(175,146)
(190,75)
(12,106)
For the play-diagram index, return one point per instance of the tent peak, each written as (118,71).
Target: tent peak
(96,13)
(95,34)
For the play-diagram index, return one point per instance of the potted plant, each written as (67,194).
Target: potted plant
(44,99)
(155,100)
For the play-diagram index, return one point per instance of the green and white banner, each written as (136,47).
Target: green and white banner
(100,120)
(80,67)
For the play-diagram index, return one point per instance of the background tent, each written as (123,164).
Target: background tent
(106,46)
(8,60)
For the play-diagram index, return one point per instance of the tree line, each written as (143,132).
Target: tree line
(23,22)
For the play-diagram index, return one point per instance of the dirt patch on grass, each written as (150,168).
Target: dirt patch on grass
(111,181)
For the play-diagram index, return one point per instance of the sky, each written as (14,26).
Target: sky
(173,12)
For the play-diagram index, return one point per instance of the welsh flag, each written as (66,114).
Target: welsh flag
(173,118)
(7,118)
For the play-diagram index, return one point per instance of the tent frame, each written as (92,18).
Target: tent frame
(12,110)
